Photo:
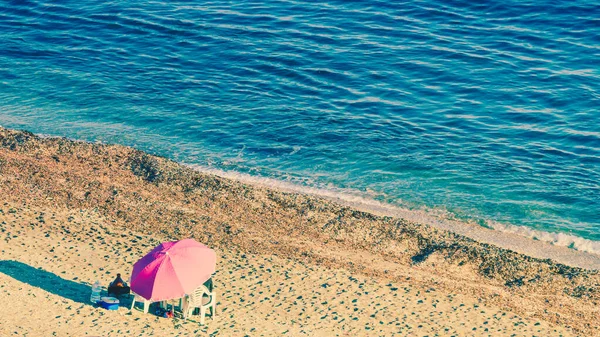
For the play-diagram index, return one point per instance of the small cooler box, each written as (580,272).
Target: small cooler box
(109,303)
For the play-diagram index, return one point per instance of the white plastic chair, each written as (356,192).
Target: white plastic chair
(139,298)
(203,299)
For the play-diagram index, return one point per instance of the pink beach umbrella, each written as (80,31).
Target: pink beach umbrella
(173,269)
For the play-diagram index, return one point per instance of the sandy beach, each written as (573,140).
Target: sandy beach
(288,264)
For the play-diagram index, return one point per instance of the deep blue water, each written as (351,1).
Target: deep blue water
(489,110)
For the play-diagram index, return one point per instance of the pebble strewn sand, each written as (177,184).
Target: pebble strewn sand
(83,211)
(46,269)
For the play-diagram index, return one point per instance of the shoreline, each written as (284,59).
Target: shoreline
(132,191)
(508,239)
(560,247)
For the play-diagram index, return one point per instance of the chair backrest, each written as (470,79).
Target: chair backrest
(196,296)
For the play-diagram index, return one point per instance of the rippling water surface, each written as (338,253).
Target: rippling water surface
(490,111)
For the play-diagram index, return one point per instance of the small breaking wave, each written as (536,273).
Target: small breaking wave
(558,239)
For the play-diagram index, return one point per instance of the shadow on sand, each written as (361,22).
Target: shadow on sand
(47,281)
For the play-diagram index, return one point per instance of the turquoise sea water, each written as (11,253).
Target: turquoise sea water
(488,110)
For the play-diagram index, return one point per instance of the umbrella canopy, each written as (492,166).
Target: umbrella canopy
(173,269)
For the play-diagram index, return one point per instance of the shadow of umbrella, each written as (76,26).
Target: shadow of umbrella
(47,281)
